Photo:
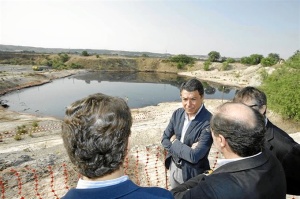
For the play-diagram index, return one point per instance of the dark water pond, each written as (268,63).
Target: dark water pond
(140,88)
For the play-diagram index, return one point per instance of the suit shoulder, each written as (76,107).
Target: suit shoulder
(153,193)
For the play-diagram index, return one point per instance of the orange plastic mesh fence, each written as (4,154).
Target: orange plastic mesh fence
(144,166)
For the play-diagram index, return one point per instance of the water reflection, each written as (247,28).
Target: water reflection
(140,89)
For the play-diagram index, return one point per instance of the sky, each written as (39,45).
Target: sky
(234,28)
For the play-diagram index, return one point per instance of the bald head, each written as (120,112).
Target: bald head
(237,112)
(241,126)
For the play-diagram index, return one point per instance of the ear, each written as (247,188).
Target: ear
(263,110)
(222,140)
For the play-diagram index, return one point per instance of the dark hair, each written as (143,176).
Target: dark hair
(95,133)
(192,85)
(245,135)
(250,92)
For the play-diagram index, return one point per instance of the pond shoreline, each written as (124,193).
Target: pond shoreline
(44,146)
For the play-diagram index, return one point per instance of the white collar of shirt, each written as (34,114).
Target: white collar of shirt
(187,118)
(86,184)
(187,123)
(221,162)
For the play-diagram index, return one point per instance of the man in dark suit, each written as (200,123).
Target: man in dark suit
(187,138)
(247,171)
(95,133)
(277,141)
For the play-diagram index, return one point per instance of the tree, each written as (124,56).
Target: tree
(255,59)
(271,60)
(85,53)
(214,56)
(246,60)
(275,57)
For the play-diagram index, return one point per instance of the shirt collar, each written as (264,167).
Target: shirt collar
(221,162)
(86,184)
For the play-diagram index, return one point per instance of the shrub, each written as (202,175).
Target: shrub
(75,66)
(206,65)
(264,74)
(225,65)
(230,60)
(35,124)
(253,59)
(85,53)
(268,61)
(180,65)
(182,59)
(271,60)
(63,57)
(283,89)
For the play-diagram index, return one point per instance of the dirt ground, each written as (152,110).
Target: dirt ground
(42,145)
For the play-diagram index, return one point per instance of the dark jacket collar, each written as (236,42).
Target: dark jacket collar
(244,164)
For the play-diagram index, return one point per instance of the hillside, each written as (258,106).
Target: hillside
(29,49)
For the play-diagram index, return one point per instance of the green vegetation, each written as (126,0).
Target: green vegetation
(21,130)
(75,66)
(35,124)
(271,60)
(282,88)
(253,59)
(214,56)
(225,65)
(57,62)
(182,60)
(85,53)
(206,65)
(230,60)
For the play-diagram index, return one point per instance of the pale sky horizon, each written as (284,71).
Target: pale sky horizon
(234,28)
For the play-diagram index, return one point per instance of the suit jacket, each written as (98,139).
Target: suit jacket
(258,177)
(193,161)
(125,190)
(287,152)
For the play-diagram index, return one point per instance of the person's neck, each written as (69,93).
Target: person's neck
(229,154)
(116,174)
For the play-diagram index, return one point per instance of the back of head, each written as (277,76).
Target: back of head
(95,132)
(251,93)
(192,85)
(241,126)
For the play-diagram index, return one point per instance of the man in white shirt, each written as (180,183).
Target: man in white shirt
(187,137)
